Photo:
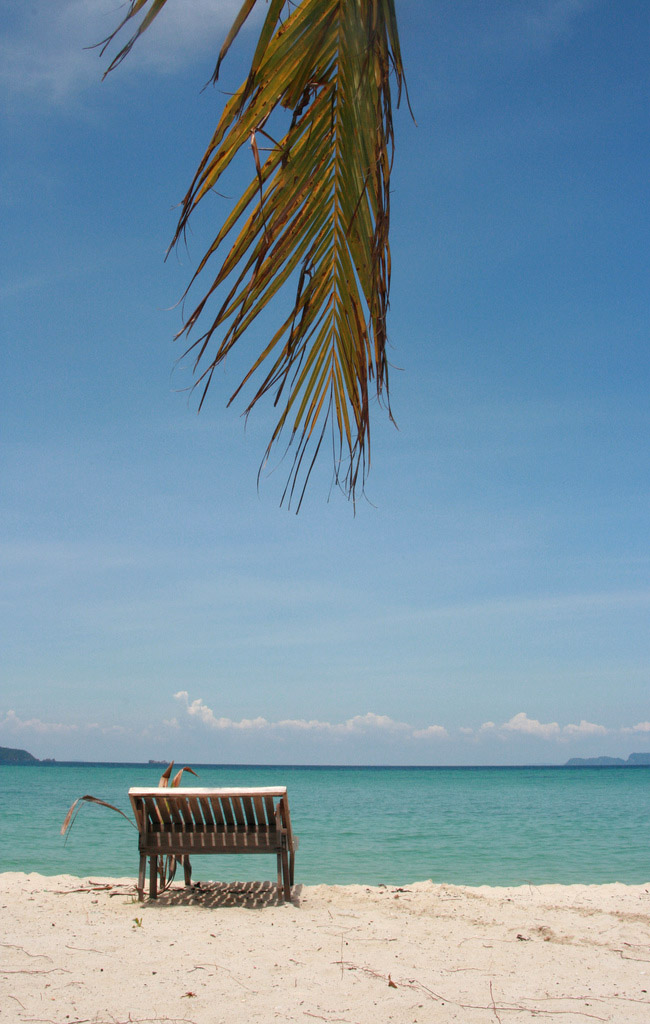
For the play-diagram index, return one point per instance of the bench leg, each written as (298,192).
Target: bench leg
(279,875)
(153,878)
(285,874)
(292,858)
(142,874)
(187,868)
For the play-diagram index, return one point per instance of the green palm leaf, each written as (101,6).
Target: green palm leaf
(313,221)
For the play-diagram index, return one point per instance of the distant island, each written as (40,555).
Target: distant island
(633,759)
(11,755)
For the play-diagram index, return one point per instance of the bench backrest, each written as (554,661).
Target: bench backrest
(183,810)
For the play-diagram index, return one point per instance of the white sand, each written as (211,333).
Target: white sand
(422,953)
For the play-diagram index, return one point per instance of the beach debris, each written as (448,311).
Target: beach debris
(93,887)
(391,983)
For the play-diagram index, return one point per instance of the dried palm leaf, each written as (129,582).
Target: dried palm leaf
(176,781)
(167,865)
(71,816)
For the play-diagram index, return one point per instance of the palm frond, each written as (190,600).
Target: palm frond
(76,806)
(314,221)
(166,865)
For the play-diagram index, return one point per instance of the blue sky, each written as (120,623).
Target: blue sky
(490,602)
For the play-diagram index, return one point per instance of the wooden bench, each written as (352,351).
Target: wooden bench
(182,821)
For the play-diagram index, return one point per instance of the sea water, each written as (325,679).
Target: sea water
(467,826)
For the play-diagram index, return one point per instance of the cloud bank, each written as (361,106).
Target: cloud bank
(358,725)
(422,739)
(370,723)
(521,723)
(12,723)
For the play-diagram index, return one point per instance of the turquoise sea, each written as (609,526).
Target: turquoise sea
(468,826)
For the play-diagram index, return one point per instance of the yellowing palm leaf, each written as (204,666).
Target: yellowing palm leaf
(314,218)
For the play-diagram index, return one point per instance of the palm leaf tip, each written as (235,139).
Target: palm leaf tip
(310,229)
(76,806)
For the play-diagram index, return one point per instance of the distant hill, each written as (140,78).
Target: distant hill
(9,755)
(633,759)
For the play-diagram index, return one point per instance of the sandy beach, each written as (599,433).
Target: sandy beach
(84,950)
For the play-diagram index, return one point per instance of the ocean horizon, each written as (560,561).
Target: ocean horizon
(391,824)
(50,762)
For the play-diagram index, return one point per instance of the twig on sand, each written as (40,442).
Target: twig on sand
(113,1020)
(50,970)
(533,1010)
(48,1020)
(220,967)
(330,1020)
(459,970)
(494,1005)
(639,959)
(121,889)
(35,956)
(84,888)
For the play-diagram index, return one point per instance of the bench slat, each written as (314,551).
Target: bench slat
(258,804)
(269,807)
(238,810)
(249,812)
(206,807)
(223,803)
(197,817)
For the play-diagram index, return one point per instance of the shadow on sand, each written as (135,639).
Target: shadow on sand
(249,895)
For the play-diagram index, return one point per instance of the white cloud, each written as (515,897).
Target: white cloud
(363,723)
(16,724)
(302,724)
(639,727)
(585,729)
(437,732)
(465,730)
(197,709)
(44,48)
(531,726)
(521,723)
